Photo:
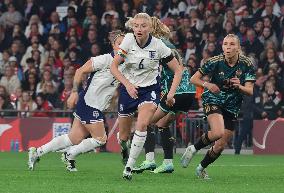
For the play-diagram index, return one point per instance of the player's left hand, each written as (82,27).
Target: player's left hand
(235,82)
(170,100)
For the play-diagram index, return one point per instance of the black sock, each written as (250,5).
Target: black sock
(209,158)
(167,142)
(150,140)
(202,142)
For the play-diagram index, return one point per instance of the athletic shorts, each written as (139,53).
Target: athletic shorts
(127,106)
(87,114)
(230,119)
(183,102)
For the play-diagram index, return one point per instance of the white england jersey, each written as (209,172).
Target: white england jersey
(142,64)
(101,83)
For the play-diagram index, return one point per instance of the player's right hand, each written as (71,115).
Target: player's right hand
(72,100)
(213,88)
(132,90)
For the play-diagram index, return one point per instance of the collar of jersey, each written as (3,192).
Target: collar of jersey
(147,43)
(227,62)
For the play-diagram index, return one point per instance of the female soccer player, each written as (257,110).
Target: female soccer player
(232,75)
(90,103)
(140,89)
(165,114)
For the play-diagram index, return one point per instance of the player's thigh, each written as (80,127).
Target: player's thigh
(222,142)
(97,130)
(158,115)
(78,132)
(166,120)
(145,114)
(215,120)
(124,124)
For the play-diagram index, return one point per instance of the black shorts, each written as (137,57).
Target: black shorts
(230,119)
(183,102)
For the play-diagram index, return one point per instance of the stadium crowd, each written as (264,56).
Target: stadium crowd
(40,52)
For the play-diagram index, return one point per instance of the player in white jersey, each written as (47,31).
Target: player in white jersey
(140,89)
(89,118)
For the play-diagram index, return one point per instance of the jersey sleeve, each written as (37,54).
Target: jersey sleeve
(98,62)
(207,68)
(125,45)
(250,73)
(165,52)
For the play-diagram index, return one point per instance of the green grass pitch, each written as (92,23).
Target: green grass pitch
(101,173)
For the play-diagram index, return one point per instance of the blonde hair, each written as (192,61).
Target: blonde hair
(234,36)
(113,35)
(160,30)
(129,24)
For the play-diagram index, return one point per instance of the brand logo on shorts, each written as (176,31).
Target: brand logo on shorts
(96,114)
(121,107)
(153,96)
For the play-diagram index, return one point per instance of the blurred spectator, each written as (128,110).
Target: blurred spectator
(252,44)
(30,84)
(268,35)
(109,13)
(50,93)
(11,17)
(31,8)
(46,77)
(34,20)
(5,104)
(43,105)
(71,12)
(54,26)
(26,104)
(270,61)
(9,80)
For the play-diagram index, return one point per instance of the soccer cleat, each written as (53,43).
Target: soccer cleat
(201,173)
(127,174)
(70,164)
(187,156)
(145,165)
(33,158)
(164,168)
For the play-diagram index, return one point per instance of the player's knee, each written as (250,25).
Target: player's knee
(100,141)
(218,134)
(75,140)
(142,125)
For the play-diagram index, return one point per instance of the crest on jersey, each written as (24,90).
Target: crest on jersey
(153,96)
(96,114)
(152,54)
(239,73)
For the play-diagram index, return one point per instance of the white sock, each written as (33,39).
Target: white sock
(193,148)
(150,156)
(200,167)
(168,161)
(85,146)
(136,147)
(55,144)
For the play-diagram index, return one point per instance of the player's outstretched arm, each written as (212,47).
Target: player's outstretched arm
(85,69)
(131,89)
(177,69)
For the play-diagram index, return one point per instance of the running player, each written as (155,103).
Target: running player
(232,75)
(140,89)
(88,115)
(165,114)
